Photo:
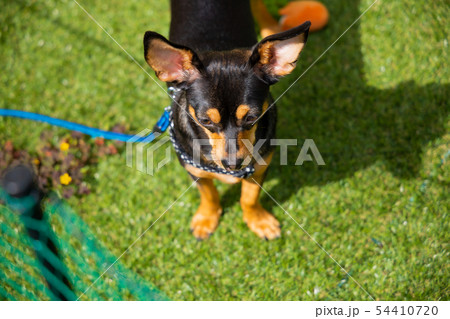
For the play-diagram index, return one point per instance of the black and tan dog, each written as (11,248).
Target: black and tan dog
(223,76)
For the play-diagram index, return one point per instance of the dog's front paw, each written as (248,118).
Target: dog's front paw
(204,224)
(262,223)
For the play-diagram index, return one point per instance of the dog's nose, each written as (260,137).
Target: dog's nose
(232,163)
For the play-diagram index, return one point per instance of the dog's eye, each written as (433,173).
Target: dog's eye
(204,121)
(249,119)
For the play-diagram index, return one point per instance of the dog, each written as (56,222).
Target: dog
(222,77)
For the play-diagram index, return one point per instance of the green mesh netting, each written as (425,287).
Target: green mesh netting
(80,258)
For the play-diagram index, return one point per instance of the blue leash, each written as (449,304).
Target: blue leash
(160,126)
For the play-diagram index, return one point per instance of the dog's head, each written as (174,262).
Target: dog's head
(226,91)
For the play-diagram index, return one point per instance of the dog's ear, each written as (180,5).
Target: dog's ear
(276,55)
(171,62)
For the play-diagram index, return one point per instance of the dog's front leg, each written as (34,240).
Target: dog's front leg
(259,220)
(207,217)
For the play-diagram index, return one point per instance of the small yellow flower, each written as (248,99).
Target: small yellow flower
(36,161)
(64,146)
(65,179)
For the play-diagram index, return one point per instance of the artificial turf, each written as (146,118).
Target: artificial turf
(376,105)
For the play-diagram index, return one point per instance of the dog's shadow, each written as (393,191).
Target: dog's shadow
(352,124)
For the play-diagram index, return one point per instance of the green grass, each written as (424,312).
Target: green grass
(376,105)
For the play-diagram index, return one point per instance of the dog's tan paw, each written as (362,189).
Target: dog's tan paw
(262,223)
(203,225)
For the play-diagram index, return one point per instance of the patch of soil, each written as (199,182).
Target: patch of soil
(62,164)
